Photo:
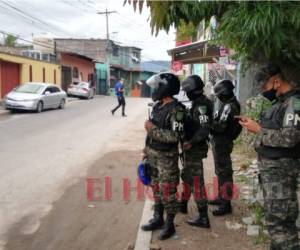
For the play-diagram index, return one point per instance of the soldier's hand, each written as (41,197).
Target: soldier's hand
(251,125)
(187,146)
(148,125)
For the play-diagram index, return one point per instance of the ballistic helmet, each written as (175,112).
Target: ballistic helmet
(164,84)
(193,86)
(143,174)
(224,90)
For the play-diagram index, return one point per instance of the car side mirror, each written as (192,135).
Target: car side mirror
(47,93)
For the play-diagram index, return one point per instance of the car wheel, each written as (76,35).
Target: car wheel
(39,107)
(62,104)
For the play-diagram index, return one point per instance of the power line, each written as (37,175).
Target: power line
(33,19)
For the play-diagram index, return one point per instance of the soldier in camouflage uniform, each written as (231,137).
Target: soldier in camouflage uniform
(278,148)
(195,149)
(163,136)
(224,130)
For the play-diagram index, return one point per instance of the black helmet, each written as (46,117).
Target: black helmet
(224,88)
(164,84)
(266,72)
(193,86)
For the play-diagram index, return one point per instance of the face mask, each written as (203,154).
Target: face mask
(225,98)
(270,94)
(192,96)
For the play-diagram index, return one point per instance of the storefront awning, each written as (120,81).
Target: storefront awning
(197,52)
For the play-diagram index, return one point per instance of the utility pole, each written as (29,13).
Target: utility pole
(107,52)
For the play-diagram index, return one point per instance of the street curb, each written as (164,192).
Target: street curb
(143,239)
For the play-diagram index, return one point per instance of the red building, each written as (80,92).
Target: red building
(76,67)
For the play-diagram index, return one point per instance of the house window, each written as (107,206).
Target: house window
(115,50)
(44,75)
(55,76)
(30,73)
(75,72)
(135,57)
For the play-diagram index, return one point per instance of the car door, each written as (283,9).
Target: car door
(49,99)
(56,96)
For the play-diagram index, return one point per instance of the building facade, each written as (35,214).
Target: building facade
(16,70)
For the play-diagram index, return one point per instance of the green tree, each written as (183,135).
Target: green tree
(258,31)
(10,41)
(186,31)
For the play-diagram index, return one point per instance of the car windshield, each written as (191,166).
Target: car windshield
(83,84)
(29,88)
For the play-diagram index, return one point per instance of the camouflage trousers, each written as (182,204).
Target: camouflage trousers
(222,149)
(164,178)
(192,176)
(279,183)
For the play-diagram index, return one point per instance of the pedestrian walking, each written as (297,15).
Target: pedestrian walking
(119,91)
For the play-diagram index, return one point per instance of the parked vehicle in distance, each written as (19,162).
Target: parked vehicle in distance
(35,96)
(81,89)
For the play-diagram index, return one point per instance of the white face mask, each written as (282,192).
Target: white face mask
(155,80)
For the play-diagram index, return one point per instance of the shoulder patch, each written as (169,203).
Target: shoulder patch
(296,104)
(202,109)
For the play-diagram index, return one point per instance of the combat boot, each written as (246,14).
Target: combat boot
(183,206)
(168,229)
(157,221)
(223,209)
(201,220)
(215,202)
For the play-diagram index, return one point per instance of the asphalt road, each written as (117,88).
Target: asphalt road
(43,154)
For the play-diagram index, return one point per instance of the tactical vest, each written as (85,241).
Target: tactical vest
(224,111)
(160,117)
(192,123)
(280,115)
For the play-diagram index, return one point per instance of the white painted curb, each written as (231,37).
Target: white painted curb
(143,239)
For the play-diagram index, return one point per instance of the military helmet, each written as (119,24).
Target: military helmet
(224,88)
(164,84)
(192,83)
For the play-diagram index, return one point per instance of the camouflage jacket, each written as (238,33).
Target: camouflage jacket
(168,126)
(280,133)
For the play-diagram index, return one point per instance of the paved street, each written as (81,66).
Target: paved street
(43,154)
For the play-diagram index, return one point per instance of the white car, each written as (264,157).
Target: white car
(81,89)
(35,96)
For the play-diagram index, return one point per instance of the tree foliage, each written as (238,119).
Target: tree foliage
(186,32)
(10,41)
(258,31)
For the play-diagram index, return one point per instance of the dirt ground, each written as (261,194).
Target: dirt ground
(219,237)
(76,223)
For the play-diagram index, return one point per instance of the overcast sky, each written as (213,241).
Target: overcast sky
(78,19)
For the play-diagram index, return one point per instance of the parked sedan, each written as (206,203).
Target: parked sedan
(81,89)
(35,96)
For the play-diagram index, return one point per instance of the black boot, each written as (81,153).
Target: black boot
(223,209)
(215,202)
(201,220)
(168,229)
(183,206)
(157,221)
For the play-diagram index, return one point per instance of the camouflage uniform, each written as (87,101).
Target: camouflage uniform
(223,131)
(196,133)
(278,148)
(162,153)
